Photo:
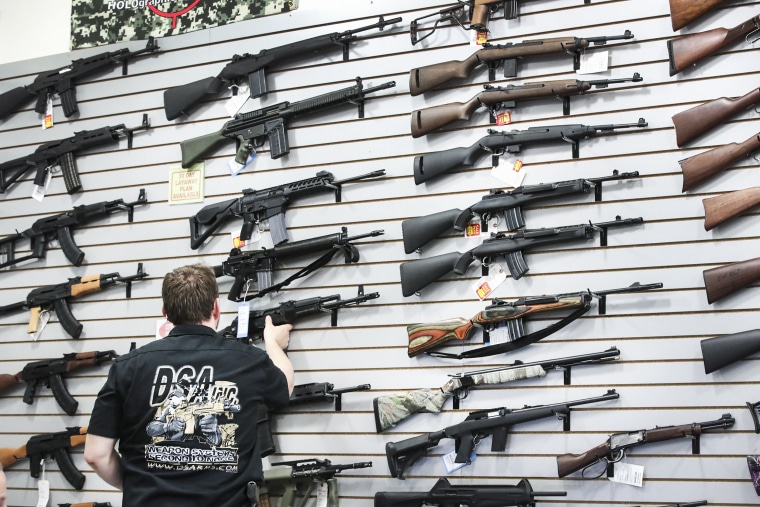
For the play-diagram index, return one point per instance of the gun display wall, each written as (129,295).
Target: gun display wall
(659,378)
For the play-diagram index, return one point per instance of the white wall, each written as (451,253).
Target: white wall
(34,28)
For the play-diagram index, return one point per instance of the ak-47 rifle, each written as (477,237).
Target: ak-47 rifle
(725,280)
(63,81)
(416,275)
(700,168)
(721,351)
(683,12)
(478,425)
(289,312)
(694,122)
(493,98)
(417,232)
(392,409)
(266,204)
(49,446)
(50,374)
(259,264)
(251,130)
(723,208)
(510,315)
(426,78)
(430,165)
(687,50)
(62,153)
(613,450)
(56,297)
(60,226)
(252,68)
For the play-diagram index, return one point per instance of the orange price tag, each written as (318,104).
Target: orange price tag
(472,230)
(481,38)
(504,118)
(484,290)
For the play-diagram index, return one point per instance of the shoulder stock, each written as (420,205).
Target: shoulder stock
(725,280)
(724,350)
(683,12)
(705,165)
(569,463)
(698,120)
(724,207)
(432,118)
(9,456)
(423,337)
(12,100)
(179,99)
(194,150)
(426,78)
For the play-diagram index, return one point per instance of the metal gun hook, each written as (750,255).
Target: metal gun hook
(755,31)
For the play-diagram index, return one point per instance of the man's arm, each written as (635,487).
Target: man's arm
(3,490)
(276,339)
(100,453)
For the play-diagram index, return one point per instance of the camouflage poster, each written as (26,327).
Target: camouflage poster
(97,22)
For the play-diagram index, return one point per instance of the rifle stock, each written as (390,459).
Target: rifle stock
(725,280)
(724,350)
(196,149)
(568,463)
(683,12)
(694,122)
(705,165)
(724,207)
(690,49)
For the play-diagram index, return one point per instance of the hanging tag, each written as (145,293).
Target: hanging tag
(234,168)
(473,229)
(41,323)
(43,488)
(626,473)
(47,120)
(499,334)
(322,494)
(480,37)
(39,191)
(594,62)
(512,174)
(488,284)
(237,100)
(163,327)
(244,313)
(504,118)
(450,465)
(242,243)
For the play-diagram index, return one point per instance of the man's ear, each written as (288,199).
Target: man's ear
(163,311)
(217,310)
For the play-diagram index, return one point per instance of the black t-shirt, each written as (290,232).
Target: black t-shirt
(184,410)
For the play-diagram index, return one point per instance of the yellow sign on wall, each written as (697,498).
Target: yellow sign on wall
(186,185)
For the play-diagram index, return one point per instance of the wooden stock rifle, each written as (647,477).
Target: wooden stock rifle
(724,207)
(725,280)
(683,12)
(702,167)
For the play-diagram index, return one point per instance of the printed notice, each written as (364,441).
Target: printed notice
(186,185)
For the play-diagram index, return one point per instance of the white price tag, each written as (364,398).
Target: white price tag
(322,494)
(47,120)
(450,465)
(244,313)
(237,101)
(594,62)
(487,284)
(43,487)
(512,172)
(41,323)
(39,191)
(626,473)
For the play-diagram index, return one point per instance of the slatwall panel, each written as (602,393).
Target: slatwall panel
(660,375)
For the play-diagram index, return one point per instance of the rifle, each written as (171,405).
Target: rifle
(252,68)
(613,450)
(56,297)
(251,130)
(477,15)
(49,446)
(510,315)
(687,50)
(699,120)
(267,204)
(445,494)
(702,167)
(50,373)
(430,165)
(290,312)
(392,409)
(724,350)
(63,81)
(683,12)
(417,232)
(62,153)
(260,263)
(422,79)
(59,226)
(505,97)
(722,208)
(725,280)
(418,274)
(477,426)
(298,478)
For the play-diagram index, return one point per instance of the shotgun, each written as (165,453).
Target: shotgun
(724,207)
(702,167)
(725,280)
(689,49)
(683,12)
(724,350)
(699,120)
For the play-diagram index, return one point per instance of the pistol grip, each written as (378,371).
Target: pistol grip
(34,319)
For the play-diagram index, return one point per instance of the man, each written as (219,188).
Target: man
(184,408)
(2,487)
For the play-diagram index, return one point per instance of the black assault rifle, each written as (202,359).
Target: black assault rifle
(478,425)
(430,165)
(267,204)
(63,81)
(62,153)
(59,226)
(252,68)
(508,204)
(251,130)
(416,275)
(260,263)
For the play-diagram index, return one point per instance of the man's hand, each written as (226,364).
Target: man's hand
(279,335)
(177,426)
